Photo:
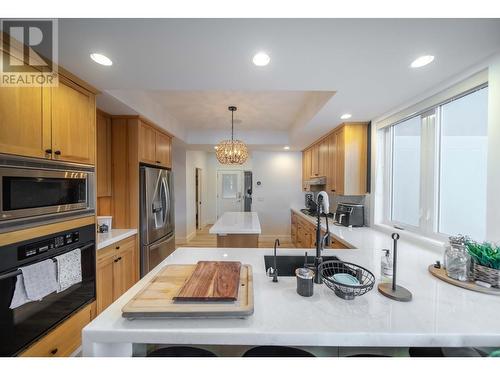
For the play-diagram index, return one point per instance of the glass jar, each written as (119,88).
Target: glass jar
(457,259)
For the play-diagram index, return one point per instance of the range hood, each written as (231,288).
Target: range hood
(316,181)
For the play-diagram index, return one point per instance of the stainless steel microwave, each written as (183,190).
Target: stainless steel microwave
(33,191)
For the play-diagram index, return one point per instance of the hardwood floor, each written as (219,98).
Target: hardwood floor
(205,239)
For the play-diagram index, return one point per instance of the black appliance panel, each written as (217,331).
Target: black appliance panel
(25,324)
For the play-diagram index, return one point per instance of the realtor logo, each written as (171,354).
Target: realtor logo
(30,58)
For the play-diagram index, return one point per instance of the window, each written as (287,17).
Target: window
(436,168)
(464,142)
(406,172)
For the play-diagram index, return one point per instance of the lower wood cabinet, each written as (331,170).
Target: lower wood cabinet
(117,271)
(303,234)
(66,338)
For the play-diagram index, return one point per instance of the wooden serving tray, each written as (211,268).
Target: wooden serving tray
(156,299)
(440,273)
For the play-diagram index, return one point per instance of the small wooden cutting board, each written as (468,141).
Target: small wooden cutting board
(212,281)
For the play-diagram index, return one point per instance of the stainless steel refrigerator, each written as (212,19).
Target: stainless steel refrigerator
(248,191)
(157,216)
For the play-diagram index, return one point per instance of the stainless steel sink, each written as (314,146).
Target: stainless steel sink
(287,264)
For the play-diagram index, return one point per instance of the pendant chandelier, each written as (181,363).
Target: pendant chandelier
(231,151)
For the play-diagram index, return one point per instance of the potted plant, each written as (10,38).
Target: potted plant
(486,259)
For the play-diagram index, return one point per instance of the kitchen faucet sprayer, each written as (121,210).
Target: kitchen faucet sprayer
(323,208)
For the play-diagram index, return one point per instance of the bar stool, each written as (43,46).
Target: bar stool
(276,351)
(181,351)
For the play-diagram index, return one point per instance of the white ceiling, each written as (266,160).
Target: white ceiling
(257,110)
(364,61)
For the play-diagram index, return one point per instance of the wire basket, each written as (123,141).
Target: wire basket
(331,267)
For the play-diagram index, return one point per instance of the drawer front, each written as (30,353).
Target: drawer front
(65,338)
(125,245)
(114,249)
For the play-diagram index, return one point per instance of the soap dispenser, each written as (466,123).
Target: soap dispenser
(386,266)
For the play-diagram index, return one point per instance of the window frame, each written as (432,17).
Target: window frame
(430,168)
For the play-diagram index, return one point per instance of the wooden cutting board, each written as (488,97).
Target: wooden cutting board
(156,299)
(212,281)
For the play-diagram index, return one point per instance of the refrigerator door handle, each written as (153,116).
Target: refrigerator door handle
(167,200)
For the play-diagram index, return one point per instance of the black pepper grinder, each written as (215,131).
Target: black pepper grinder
(392,290)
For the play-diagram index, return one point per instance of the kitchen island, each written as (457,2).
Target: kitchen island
(440,314)
(237,229)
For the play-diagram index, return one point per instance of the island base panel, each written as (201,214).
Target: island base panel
(238,240)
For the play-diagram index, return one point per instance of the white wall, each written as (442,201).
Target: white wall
(281,176)
(195,159)
(179,173)
(493,185)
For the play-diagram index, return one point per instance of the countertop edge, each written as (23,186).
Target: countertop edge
(112,237)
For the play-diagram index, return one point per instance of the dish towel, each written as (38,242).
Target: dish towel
(19,298)
(39,279)
(69,269)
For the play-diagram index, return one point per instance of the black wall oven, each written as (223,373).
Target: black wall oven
(21,326)
(33,191)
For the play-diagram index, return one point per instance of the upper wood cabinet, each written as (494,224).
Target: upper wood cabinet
(315,160)
(103,155)
(73,123)
(147,143)
(323,161)
(49,122)
(341,158)
(331,180)
(163,149)
(154,146)
(25,120)
(306,166)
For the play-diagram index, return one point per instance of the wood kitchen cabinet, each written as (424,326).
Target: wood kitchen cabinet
(25,120)
(49,122)
(66,338)
(315,168)
(331,180)
(323,158)
(303,234)
(163,149)
(116,271)
(73,123)
(147,143)
(103,125)
(341,157)
(154,146)
(306,167)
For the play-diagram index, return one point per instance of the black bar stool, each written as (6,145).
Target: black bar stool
(181,351)
(276,351)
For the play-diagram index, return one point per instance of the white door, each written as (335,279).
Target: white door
(229,192)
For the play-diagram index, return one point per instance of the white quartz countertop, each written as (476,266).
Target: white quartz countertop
(237,223)
(440,314)
(114,235)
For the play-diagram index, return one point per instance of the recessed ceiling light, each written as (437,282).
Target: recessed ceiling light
(261,59)
(346,116)
(101,59)
(286,148)
(422,61)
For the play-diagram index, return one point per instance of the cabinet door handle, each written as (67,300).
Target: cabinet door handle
(118,259)
(158,162)
(53,351)
(57,152)
(48,151)
(117,248)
